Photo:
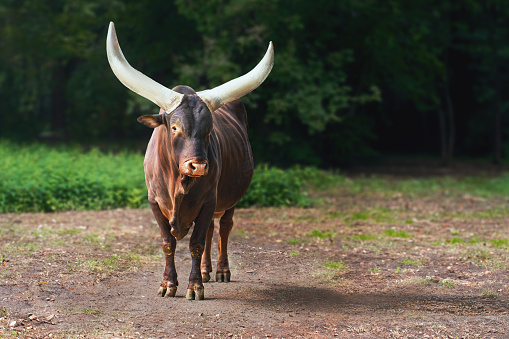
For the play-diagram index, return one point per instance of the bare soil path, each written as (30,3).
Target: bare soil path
(356,266)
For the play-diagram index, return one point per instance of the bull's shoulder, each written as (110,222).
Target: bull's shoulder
(235,109)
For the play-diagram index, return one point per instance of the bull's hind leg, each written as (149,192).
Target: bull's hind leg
(206,262)
(225,226)
(169,285)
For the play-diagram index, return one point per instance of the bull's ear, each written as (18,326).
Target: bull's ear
(151,121)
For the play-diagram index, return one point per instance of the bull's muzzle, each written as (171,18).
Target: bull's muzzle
(194,168)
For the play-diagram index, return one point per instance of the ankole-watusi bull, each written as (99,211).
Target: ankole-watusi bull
(198,163)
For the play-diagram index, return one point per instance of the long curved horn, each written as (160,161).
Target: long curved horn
(163,97)
(237,88)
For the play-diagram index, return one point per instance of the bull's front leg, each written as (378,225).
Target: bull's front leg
(195,290)
(206,262)
(169,285)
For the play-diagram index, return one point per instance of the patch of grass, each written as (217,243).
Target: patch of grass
(364,237)
(295,241)
(425,281)
(483,256)
(500,242)
(379,215)
(82,311)
(336,265)
(242,233)
(92,238)
(294,253)
(456,240)
(356,216)
(400,270)
(374,269)
(3,312)
(47,231)
(412,262)
(335,214)
(490,294)
(446,283)
(114,262)
(391,232)
(483,187)
(319,234)
(475,240)
(305,218)
(5,274)
(20,248)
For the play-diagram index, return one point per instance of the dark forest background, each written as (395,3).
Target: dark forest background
(353,80)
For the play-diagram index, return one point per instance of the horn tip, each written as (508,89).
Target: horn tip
(270,50)
(111,37)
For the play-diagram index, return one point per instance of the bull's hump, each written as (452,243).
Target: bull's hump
(182,89)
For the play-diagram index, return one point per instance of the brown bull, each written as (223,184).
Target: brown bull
(198,163)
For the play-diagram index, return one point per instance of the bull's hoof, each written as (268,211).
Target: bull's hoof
(196,293)
(223,277)
(205,276)
(167,292)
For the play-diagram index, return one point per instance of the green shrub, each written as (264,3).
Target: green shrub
(275,187)
(38,178)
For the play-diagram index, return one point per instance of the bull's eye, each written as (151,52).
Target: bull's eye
(174,128)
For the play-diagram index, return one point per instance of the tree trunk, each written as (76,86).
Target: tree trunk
(58,119)
(443,136)
(497,135)
(450,119)
(58,103)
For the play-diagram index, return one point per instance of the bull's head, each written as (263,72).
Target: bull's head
(186,115)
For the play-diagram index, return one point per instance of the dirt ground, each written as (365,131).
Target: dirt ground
(362,265)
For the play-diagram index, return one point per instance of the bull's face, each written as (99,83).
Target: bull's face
(188,129)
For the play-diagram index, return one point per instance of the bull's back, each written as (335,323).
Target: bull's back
(231,129)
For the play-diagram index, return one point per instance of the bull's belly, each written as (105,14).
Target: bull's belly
(218,214)
(230,191)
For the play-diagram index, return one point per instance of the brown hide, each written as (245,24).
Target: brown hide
(181,199)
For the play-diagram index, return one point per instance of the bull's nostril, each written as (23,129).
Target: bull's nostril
(193,168)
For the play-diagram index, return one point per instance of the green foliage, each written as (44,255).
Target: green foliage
(275,187)
(365,237)
(411,262)
(295,241)
(456,240)
(500,242)
(396,233)
(490,294)
(114,262)
(320,234)
(446,283)
(335,265)
(38,178)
